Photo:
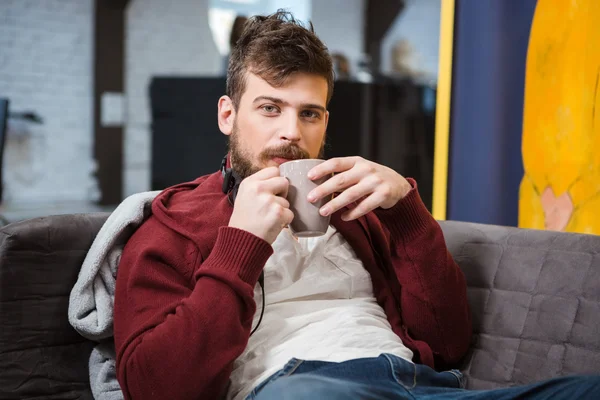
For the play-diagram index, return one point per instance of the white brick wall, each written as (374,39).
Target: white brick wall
(162,38)
(45,66)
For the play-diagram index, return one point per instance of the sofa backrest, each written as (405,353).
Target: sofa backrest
(534,296)
(535,302)
(40,353)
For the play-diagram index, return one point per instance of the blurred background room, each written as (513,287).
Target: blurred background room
(480,100)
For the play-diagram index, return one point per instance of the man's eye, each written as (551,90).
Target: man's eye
(310,114)
(269,109)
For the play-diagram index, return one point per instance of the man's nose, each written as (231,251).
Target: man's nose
(292,130)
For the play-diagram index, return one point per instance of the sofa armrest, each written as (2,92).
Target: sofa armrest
(41,355)
(535,302)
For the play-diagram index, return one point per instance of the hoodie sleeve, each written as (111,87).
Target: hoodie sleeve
(180,321)
(434,302)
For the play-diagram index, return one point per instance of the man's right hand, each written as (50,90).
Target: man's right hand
(260,206)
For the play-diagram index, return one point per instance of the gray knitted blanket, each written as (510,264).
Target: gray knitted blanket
(92,297)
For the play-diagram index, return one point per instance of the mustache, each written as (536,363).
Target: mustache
(290,152)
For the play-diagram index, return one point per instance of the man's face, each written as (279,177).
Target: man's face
(275,125)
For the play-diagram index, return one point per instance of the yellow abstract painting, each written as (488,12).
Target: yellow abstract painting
(560,189)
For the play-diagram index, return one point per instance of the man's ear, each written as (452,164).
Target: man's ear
(226,115)
(326,119)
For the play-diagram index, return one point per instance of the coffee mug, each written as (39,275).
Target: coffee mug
(307,221)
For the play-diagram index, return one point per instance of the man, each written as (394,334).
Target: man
(364,312)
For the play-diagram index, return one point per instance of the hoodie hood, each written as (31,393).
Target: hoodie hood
(193,207)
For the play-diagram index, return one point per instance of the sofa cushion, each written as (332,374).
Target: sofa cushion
(535,302)
(41,355)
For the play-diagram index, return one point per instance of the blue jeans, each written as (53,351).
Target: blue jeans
(390,377)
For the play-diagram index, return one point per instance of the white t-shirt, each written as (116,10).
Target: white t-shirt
(319,306)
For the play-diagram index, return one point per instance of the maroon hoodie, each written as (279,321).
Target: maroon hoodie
(184,299)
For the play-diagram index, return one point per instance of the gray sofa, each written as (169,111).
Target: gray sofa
(534,295)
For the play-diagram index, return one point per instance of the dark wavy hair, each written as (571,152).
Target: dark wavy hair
(275,47)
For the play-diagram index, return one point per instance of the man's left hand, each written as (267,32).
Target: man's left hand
(357,179)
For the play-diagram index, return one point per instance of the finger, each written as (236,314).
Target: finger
(264,174)
(348,196)
(337,183)
(365,206)
(331,166)
(277,185)
(287,217)
(282,202)
(281,213)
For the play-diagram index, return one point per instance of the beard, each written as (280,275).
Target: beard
(241,159)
